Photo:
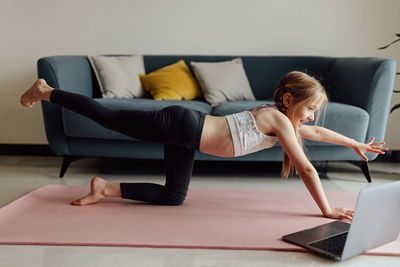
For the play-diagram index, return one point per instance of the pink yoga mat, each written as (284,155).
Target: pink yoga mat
(209,218)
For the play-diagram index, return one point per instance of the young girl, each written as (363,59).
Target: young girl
(182,131)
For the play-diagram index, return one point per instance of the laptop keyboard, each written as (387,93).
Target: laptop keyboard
(334,244)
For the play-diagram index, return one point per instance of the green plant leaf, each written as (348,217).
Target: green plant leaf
(386,46)
(396,91)
(397,73)
(394,108)
(398,34)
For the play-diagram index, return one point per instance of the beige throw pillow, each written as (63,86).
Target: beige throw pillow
(118,75)
(223,81)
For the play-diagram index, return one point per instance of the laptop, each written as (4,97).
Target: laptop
(376,221)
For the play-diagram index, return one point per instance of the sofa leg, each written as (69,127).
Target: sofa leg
(66,162)
(364,168)
(322,168)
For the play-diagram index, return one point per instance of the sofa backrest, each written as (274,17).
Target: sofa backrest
(264,72)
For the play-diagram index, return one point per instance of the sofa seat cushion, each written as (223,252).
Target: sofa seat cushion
(78,126)
(348,120)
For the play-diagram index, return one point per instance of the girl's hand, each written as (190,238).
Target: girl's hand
(340,214)
(371,147)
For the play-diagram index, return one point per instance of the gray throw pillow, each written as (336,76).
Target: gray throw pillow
(118,76)
(223,81)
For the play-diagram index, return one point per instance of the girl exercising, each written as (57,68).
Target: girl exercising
(183,131)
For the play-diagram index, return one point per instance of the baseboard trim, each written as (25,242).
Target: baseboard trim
(45,150)
(26,150)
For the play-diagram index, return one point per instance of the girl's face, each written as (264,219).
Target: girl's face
(304,112)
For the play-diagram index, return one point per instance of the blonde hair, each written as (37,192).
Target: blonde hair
(303,88)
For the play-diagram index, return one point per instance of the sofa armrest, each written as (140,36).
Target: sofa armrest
(52,116)
(70,73)
(366,83)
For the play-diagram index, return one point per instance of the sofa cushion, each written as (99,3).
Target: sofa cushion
(223,81)
(118,76)
(78,126)
(172,82)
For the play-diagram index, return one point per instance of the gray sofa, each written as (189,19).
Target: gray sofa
(360,91)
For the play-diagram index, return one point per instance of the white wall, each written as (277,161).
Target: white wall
(33,29)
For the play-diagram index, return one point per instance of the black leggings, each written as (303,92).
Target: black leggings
(178,128)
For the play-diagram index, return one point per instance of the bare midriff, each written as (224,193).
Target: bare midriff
(216,138)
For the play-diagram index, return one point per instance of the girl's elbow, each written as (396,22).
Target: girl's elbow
(306,170)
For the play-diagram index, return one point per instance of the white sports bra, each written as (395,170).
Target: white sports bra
(247,138)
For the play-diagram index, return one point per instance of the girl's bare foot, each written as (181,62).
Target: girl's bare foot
(39,91)
(99,189)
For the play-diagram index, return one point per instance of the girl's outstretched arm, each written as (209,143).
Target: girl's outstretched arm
(287,138)
(318,133)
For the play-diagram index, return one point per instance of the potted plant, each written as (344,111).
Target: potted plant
(397,73)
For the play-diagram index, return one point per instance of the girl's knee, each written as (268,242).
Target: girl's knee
(177,202)
(174,198)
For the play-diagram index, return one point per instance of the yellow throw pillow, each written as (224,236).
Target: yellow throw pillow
(173,82)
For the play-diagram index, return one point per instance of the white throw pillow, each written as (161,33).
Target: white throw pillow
(223,81)
(118,76)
